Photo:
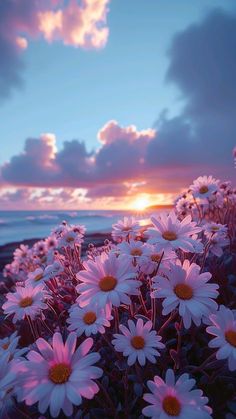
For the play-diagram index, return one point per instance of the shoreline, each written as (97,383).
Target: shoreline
(6,250)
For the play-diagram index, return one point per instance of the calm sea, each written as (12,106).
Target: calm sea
(20,225)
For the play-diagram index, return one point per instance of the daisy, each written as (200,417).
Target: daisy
(51,242)
(138,342)
(21,254)
(152,256)
(89,320)
(133,248)
(170,233)
(9,344)
(35,277)
(214,230)
(170,399)
(58,375)
(217,245)
(7,379)
(187,289)
(127,228)
(70,238)
(224,329)
(26,301)
(204,186)
(107,279)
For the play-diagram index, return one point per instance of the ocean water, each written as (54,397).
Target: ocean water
(20,225)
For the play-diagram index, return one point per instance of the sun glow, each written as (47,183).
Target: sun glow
(141,203)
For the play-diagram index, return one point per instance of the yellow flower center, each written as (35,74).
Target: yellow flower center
(169,235)
(125,228)
(69,239)
(136,252)
(171,406)
(183,291)
(26,302)
(5,346)
(38,277)
(137,342)
(214,228)
(230,336)
(107,283)
(156,257)
(89,317)
(203,189)
(59,373)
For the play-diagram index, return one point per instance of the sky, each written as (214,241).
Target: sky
(108,104)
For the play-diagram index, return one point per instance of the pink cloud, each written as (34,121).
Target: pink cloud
(81,25)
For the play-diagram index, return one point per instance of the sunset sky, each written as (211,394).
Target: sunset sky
(114,104)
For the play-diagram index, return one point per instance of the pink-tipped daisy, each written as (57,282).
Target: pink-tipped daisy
(129,227)
(108,279)
(170,399)
(132,249)
(171,233)
(59,375)
(152,256)
(70,238)
(25,301)
(214,230)
(224,330)
(204,186)
(138,342)
(7,380)
(9,345)
(187,289)
(89,320)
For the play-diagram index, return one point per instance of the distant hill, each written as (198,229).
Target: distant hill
(159,207)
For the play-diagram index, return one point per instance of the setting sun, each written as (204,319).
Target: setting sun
(141,203)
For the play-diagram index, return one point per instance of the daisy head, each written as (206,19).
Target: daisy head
(7,380)
(170,233)
(212,230)
(70,238)
(138,342)
(170,399)
(204,186)
(89,319)
(128,228)
(153,256)
(185,288)
(107,279)
(59,375)
(9,345)
(224,329)
(36,277)
(25,301)
(133,248)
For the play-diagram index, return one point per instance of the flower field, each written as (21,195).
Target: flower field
(144,326)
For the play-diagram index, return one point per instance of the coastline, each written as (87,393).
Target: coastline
(6,250)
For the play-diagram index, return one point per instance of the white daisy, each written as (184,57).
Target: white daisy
(224,330)
(25,301)
(58,375)
(204,186)
(187,289)
(138,342)
(129,227)
(107,279)
(171,233)
(89,320)
(170,399)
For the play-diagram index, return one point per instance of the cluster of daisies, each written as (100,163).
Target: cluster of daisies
(131,307)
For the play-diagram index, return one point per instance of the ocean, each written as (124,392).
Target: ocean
(19,225)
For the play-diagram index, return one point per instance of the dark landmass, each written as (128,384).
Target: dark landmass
(6,250)
(159,207)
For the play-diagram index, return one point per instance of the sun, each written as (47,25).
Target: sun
(141,203)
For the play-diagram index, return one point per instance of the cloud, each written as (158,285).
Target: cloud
(162,159)
(203,66)
(76,24)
